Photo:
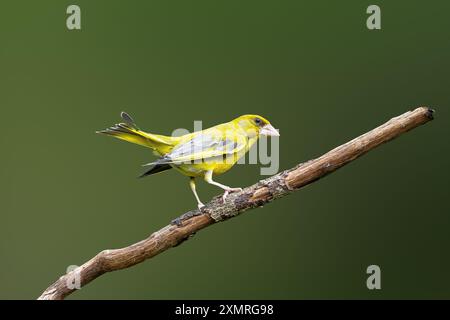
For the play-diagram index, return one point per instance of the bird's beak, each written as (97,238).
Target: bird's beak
(269,130)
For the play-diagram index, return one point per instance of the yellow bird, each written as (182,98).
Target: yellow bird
(203,153)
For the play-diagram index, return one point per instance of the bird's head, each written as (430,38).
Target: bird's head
(254,124)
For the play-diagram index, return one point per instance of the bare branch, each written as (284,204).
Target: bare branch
(254,196)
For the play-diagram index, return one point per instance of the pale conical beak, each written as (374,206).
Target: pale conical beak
(269,130)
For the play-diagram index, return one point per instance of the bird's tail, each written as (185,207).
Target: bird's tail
(128,131)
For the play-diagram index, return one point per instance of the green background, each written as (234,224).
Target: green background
(311,67)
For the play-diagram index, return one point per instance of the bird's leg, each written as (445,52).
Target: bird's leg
(192,185)
(178,221)
(208,178)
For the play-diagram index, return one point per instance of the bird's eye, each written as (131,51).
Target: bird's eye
(258,121)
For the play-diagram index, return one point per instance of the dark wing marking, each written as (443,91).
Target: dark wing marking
(156,168)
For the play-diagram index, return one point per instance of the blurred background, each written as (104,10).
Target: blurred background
(311,67)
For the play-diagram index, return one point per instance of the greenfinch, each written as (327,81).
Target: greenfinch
(204,153)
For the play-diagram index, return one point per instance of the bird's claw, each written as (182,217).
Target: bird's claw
(179,221)
(228,191)
(200,206)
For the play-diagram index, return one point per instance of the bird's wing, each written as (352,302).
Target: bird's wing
(205,146)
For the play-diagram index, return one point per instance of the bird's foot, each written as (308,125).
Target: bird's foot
(228,191)
(178,221)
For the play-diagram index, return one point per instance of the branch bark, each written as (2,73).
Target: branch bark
(254,196)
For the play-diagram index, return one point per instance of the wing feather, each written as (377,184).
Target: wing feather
(205,146)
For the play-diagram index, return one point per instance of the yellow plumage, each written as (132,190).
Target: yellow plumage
(204,153)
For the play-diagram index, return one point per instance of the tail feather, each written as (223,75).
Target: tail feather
(124,132)
(128,131)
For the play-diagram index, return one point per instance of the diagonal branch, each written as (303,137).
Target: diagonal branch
(254,196)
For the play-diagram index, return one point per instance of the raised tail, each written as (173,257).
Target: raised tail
(128,131)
